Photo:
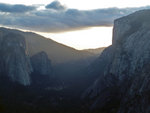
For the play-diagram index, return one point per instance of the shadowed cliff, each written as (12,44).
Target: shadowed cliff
(123,68)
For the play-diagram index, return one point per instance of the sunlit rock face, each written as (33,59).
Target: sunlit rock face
(14,61)
(125,77)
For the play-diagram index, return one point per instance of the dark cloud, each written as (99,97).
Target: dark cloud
(64,20)
(15,8)
(56,5)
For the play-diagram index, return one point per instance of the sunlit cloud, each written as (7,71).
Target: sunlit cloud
(57,18)
(56,5)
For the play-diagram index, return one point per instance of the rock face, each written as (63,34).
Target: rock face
(42,70)
(14,61)
(16,64)
(124,75)
(41,64)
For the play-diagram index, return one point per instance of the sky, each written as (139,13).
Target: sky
(81,24)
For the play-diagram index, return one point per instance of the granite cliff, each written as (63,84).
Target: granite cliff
(123,68)
(15,62)
(41,64)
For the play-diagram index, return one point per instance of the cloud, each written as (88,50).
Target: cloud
(48,20)
(56,5)
(15,8)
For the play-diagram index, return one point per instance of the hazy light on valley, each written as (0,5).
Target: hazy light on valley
(94,37)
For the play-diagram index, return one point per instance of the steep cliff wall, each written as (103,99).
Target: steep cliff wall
(14,61)
(125,75)
(41,64)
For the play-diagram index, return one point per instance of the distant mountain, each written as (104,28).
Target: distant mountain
(123,68)
(67,63)
(96,51)
(57,52)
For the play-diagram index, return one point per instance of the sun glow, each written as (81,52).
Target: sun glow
(88,38)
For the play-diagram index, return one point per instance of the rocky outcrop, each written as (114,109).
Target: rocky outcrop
(17,65)
(42,70)
(124,71)
(41,64)
(14,61)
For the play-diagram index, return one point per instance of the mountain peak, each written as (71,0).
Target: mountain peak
(125,26)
